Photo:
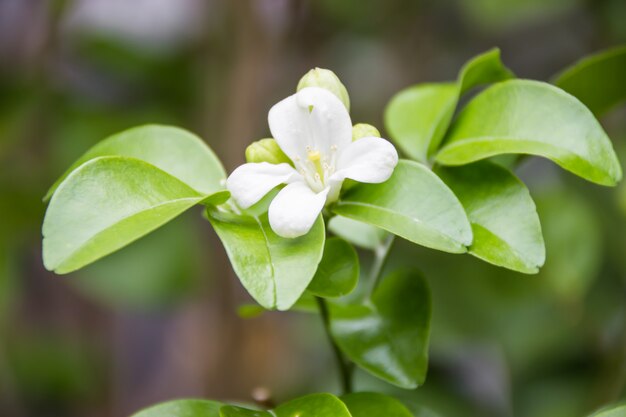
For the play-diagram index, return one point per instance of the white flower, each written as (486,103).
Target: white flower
(313,128)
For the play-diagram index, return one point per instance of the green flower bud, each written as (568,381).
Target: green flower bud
(320,77)
(266,150)
(363,130)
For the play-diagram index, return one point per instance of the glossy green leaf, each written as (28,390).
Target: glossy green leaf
(274,270)
(414,204)
(531,117)
(314,405)
(358,233)
(485,68)
(338,272)
(369,404)
(611,411)
(176,151)
(389,336)
(597,80)
(106,204)
(182,408)
(236,411)
(504,219)
(417,117)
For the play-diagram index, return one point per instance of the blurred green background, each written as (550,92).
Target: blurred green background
(158,320)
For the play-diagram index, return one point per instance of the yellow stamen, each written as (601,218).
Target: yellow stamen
(313,156)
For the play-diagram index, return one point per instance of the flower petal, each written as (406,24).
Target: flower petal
(250,182)
(368,159)
(313,117)
(294,210)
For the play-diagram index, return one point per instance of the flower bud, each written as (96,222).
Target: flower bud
(363,130)
(266,150)
(327,79)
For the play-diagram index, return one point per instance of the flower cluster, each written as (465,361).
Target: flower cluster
(313,129)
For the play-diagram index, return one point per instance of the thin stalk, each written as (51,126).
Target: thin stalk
(344,367)
(381,254)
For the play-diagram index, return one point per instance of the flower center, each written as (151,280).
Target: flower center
(317,167)
(315,158)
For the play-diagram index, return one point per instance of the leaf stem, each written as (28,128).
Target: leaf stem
(381,253)
(344,367)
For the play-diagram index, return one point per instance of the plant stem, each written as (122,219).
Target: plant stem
(344,367)
(380,258)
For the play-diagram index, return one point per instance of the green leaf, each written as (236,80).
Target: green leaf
(492,197)
(597,80)
(235,411)
(389,336)
(414,204)
(338,272)
(417,117)
(611,411)
(358,233)
(182,408)
(106,204)
(531,117)
(175,151)
(485,68)
(274,270)
(368,404)
(314,405)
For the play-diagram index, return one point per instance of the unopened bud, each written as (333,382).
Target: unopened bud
(266,150)
(363,130)
(320,77)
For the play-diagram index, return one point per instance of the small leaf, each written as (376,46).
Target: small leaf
(175,151)
(338,272)
(597,80)
(182,408)
(358,233)
(414,204)
(492,197)
(274,270)
(611,411)
(531,117)
(369,404)
(418,117)
(485,68)
(389,337)
(235,411)
(106,204)
(314,405)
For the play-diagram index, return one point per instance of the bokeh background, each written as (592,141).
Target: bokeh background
(159,319)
